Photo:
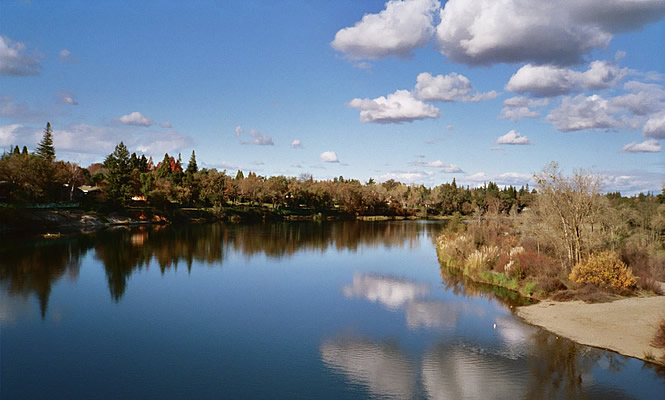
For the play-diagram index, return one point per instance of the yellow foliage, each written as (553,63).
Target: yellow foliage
(604,270)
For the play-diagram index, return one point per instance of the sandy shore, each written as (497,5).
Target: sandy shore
(625,326)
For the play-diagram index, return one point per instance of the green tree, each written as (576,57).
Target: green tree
(119,175)
(192,167)
(45,148)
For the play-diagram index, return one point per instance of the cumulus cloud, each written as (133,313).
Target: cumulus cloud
(166,124)
(67,97)
(259,139)
(562,32)
(296,144)
(655,126)
(580,113)
(451,87)
(329,157)
(513,137)
(14,61)
(136,119)
(648,146)
(398,107)
(401,27)
(630,183)
(517,108)
(550,80)
(443,167)
(8,134)
(642,99)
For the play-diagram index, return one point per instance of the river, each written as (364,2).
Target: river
(338,310)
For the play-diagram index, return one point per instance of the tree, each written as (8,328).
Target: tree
(119,175)
(45,148)
(192,167)
(567,206)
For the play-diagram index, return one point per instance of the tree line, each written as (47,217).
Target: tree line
(124,178)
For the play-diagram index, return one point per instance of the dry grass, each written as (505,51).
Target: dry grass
(659,339)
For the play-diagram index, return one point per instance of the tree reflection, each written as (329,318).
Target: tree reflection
(33,267)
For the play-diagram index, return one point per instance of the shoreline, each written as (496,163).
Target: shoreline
(625,326)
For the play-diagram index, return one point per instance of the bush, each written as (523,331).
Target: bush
(604,270)
(659,339)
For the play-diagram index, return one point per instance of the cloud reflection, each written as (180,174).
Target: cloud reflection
(431,314)
(382,368)
(391,292)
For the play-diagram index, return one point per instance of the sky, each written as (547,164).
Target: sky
(420,91)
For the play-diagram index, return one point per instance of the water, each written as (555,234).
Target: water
(289,310)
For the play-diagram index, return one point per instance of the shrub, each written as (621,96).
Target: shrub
(604,270)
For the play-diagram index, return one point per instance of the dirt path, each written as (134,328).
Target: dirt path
(625,326)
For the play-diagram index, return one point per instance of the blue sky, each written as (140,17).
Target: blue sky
(420,91)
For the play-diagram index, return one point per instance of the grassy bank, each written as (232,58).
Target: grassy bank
(497,251)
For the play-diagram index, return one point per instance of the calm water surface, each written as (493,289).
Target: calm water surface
(288,310)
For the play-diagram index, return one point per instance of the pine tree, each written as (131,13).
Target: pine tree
(25,150)
(45,148)
(119,175)
(192,167)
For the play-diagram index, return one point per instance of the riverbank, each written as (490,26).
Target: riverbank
(64,220)
(625,326)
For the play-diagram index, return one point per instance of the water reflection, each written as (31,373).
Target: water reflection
(382,368)
(391,292)
(33,266)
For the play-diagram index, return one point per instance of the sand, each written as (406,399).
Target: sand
(625,326)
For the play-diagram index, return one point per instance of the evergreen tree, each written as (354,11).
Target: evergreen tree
(240,175)
(119,175)
(16,150)
(164,168)
(192,167)
(45,148)
(25,150)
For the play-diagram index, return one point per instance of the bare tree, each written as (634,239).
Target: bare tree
(567,206)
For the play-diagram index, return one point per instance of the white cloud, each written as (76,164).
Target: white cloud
(643,99)
(296,144)
(451,87)
(238,130)
(259,139)
(503,179)
(66,57)
(655,126)
(517,108)
(513,137)
(136,119)
(14,61)
(580,113)
(406,176)
(166,124)
(550,80)
(561,32)
(443,167)
(398,107)
(85,143)
(67,97)
(648,146)
(630,183)
(401,27)
(8,134)
(329,157)
(450,127)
